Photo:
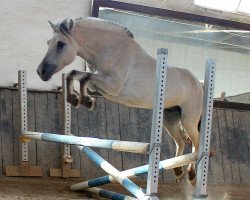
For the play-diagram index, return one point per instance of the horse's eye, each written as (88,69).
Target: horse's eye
(60,45)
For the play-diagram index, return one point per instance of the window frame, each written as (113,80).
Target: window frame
(165,13)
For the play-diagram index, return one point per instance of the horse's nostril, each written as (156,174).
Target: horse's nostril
(43,71)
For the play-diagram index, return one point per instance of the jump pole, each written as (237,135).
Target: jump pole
(116,174)
(135,172)
(65,171)
(116,145)
(25,169)
(109,194)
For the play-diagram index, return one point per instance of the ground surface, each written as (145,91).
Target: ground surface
(50,189)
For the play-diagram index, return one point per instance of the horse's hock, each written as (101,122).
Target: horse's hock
(116,122)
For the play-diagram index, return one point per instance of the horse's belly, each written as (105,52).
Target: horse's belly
(138,92)
(143,98)
(130,101)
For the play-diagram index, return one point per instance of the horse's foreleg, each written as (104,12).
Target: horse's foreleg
(86,99)
(72,96)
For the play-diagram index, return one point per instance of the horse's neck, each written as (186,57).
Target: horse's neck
(94,42)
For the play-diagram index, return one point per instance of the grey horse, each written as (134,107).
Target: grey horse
(125,73)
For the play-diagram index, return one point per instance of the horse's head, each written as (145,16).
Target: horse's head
(62,49)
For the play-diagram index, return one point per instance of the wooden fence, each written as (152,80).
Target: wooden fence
(230,136)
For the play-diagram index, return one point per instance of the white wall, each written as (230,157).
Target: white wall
(24,32)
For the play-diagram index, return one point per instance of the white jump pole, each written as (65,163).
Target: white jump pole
(117,145)
(132,173)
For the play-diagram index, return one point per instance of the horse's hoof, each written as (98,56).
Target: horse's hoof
(179,173)
(192,181)
(192,177)
(73,99)
(179,177)
(88,102)
(92,104)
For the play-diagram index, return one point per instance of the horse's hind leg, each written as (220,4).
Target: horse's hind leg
(172,122)
(190,118)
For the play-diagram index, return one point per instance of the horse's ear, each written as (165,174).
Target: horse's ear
(52,26)
(67,25)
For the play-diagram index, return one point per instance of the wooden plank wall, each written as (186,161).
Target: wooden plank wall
(230,136)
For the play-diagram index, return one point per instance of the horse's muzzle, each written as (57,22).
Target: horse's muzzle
(45,71)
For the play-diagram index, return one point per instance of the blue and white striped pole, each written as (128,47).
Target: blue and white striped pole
(132,173)
(117,145)
(116,174)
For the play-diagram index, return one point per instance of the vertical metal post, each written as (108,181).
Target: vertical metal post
(157,119)
(65,171)
(205,135)
(22,85)
(67,116)
(24,169)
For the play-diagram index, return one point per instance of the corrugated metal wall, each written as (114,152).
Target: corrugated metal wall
(230,136)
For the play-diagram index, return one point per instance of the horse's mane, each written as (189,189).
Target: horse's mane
(105,25)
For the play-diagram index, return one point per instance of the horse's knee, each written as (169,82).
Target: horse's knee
(70,75)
